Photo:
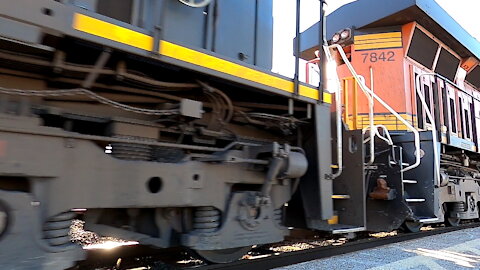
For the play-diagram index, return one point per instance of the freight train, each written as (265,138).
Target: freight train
(161,121)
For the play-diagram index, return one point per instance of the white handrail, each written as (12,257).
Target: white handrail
(371,120)
(371,123)
(432,121)
(387,139)
(367,91)
(338,107)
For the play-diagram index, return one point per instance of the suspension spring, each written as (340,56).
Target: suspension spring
(130,151)
(206,219)
(278,216)
(457,207)
(56,229)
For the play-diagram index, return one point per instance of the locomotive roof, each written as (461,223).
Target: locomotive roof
(382,13)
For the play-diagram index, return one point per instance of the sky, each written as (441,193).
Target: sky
(465,12)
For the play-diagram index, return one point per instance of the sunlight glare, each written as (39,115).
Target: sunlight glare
(110,245)
(465,260)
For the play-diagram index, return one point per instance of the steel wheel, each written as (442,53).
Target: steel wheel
(411,226)
(196,3)
(478,210)
(223,255)
(451,222)
(454,207)
(3,219)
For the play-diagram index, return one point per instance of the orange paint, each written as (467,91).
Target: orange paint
(394,82)
(388,80)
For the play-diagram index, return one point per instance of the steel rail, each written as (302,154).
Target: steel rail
(290,258)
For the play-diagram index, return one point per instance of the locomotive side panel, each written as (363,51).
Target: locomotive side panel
(430,70)
(377,55)
(431,87)
(165,126)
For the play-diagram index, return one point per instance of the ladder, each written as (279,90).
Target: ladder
(419,183)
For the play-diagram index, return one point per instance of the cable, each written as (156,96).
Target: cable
(132,76)
(217,95)
(88,93)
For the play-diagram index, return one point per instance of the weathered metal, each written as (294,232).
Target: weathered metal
(163,121)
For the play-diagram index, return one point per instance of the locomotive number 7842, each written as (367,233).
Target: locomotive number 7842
(376,57)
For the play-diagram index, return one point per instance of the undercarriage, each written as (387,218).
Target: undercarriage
(169,158)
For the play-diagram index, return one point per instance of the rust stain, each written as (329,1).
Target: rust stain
(381,191)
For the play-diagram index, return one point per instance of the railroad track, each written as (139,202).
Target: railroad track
(289,258)
(142,258)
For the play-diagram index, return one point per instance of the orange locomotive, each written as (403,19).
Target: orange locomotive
(409,77)
(392,62)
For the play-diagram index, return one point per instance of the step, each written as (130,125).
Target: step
(428,220)
(395,163)
(341,197)
(405,181)
(347,229)
(414,200)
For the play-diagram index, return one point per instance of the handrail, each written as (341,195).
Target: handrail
(371,110)
(387,139)
(338,122)
(430,117)
(368,91)
(371,124)
(454,84)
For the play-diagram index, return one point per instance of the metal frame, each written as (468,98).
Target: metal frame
(392,10)
(60,24)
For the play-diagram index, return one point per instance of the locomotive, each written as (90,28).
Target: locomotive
(140,113)
(409,79)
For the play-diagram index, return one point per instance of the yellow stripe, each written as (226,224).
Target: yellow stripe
(327,97)
(378,40)
(224,66)
(139,40)
(112,32)
(389,127)
(214,63)
(309,92)
(341,197)
(333,220)
(382,122)
(379,46)
(385,115)
(381,35)
(383,119)
(388,120)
